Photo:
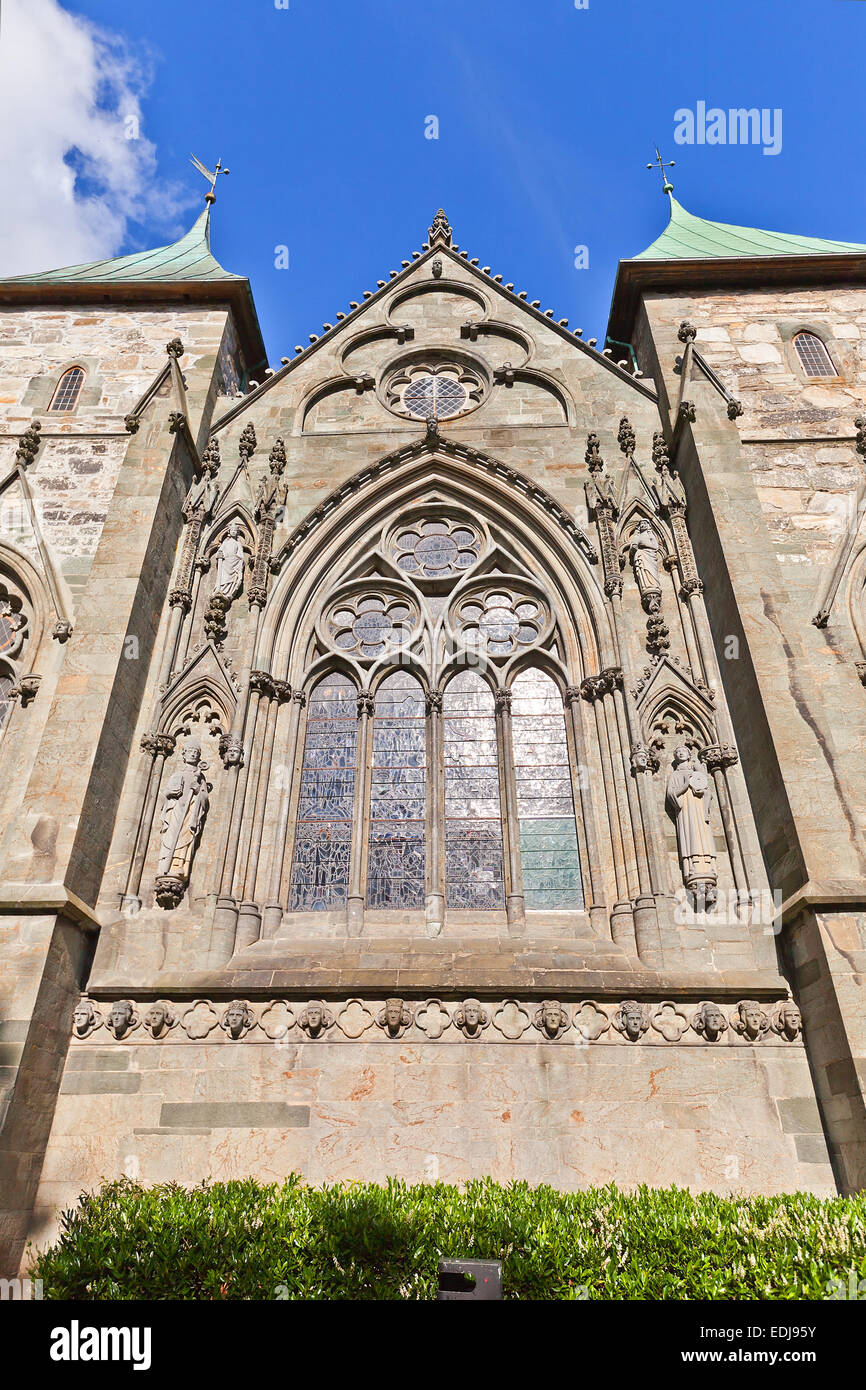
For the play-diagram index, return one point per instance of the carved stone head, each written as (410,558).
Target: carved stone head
(631,1019)
(471,1018)
(750,1019)
(122,1018)
(395,1017)
(315,1019)
(709,1021)
(85,1018)
(238,1018)
(160,1018)
(787,1020)
(681,755)
(192,752)
(551,1018)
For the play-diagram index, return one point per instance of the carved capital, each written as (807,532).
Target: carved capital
(169,890)
(502,697)
(572,694)
(717,756)
(257,595)
(613,586)
(688,411)
(282,691)
(366,703)
(300,697)
(690,587)
(433,701)
(180,598)
(159,744)
(262,683)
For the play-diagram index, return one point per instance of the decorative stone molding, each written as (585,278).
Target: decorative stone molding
(718,756)
(735,409)
(632,1022)
(688,411)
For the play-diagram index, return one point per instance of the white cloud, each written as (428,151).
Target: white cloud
(70,178)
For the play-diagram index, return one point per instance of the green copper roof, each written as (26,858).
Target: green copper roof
(687,237)
(187,259)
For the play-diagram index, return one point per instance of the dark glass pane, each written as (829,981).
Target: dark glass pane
(474,875)
(396,863)
(545,804)
(6,684)
(323,839)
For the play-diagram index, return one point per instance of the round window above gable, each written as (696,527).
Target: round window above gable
(441,388)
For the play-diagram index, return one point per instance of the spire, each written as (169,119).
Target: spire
(688,237)
(440,230)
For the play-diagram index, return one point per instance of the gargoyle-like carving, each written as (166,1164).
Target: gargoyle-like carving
(786,1020)
(551,1018)
(632,1019)
(160,1018)
(471,1018)
(315,1019)
(238,1019)
(86,1018)
(709,1021)
(688,802)
(122,1018)
(750,1019)
(396,1017)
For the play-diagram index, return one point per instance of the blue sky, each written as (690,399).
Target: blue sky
(547,114)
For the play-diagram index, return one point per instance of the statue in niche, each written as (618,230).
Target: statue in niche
(750,1020)
(238,1019)
(551,1018)
(644,553)
(632,1019)
(396,1016)
(230,564)
(786,1020)
(709,1021)
(160,1018)
(184,808)
(201,498)
(122,1018)
(688,802)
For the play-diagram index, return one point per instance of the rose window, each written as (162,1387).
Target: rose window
(436,549)
(367,627)
(443,390)
(499,623)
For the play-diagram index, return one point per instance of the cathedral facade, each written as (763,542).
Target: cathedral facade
(443,755)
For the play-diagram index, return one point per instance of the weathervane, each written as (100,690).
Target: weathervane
(662,164)
(210,174)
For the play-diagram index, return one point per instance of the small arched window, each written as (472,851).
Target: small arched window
(65,398)
(814,357)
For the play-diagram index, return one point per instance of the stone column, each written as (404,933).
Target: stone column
(355,902)
(435,906)
(273,913)
(160,747)
(515,903)
(621,913)
(249,915)
(596,906)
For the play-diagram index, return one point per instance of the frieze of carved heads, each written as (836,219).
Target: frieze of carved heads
(396,1017)
(709,1021)
(632,1019)
(551,1018)
(632,1022)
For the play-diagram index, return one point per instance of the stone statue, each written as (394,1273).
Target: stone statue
(644,554)
(470,1018)
(632,1019)
(122,1018)
(750,1020)
(786,1020)
(396,1016)
(85,1018)
(160,1018)
(201,498)
(237,1019)
(315,1018)
(551,1018)
(709,1021)
(688,802)
(184,809)
(230,564)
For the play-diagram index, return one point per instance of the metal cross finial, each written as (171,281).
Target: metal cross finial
(210,174)
(662,165)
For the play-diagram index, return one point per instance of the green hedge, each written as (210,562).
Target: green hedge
(245,1240)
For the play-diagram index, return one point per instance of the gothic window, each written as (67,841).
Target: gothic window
(545,800)
(474,877)
(398,800)
(368,625)
(65,398)
(814,357)
(323,839)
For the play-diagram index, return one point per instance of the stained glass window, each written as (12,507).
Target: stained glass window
(323,839)
(545,801)
(434,395)
(6,684)
(433,549)
(398,800)
(813,355)
(369,624)
(474,876)
(65,398)
(499,622)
